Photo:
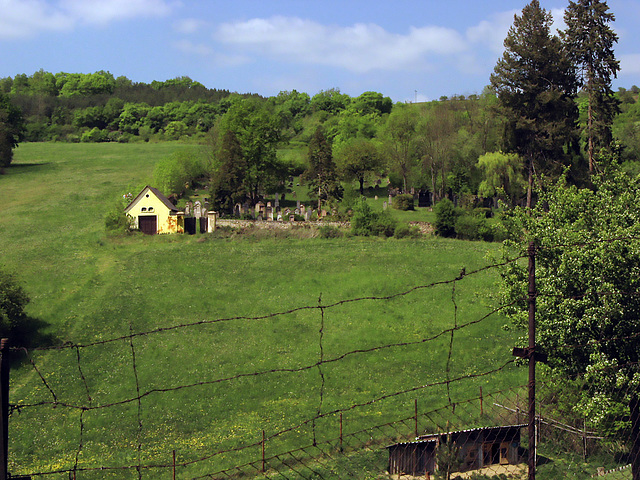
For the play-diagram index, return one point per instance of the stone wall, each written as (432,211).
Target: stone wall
(226,222)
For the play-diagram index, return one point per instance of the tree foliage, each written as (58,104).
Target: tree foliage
(228,183)
(587,279)
(357,158)
(502,176)
(535,84)
(321,174)
(589,42)
(11,130)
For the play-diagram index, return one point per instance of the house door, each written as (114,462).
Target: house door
(148,224)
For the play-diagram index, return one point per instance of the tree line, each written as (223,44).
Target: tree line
(549,107)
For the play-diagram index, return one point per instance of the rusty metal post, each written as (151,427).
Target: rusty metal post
(341,449)
(4,407)
(174,465)
(532,362)
(481,402)
(415,410)
(263,452)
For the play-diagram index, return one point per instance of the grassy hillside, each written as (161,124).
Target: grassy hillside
(207,302)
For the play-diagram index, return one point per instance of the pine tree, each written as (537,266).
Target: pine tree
(535,84)
(589,41)
(321,174)
(228,185)
(11,130)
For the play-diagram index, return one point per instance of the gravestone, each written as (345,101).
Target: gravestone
(188,209)
(197,209)
(298,204)
(292,218)
(384,205)
(302,209)
(277,202)
(279,217)
(307,216)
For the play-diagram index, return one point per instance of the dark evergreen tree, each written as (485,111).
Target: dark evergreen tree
(11,130)
(589,41)
(321,174)
(535,84)
(228,185)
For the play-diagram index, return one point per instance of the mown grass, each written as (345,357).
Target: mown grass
(89,287)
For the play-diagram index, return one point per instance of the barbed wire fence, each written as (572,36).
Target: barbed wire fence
(460,422)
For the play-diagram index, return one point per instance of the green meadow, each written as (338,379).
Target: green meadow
(231,334)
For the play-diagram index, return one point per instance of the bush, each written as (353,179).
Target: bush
(328,231)
(116,221)
(403,202)
(445,218)
(471,227)
(405,231)
(365,221)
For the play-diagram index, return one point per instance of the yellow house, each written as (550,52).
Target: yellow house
(153,213)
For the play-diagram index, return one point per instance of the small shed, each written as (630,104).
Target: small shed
(154,213)
(474,449)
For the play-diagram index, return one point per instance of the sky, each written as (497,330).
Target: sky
(409,50)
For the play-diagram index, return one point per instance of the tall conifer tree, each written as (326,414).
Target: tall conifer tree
(535,84)
(589,42)
(321,174)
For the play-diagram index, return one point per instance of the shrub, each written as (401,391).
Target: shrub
(470,227)
(406,231)
(384,224)
(116,221)
(328,231)
(403,202)
(366,222)
(445,218)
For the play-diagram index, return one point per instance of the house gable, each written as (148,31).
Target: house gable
(150,203)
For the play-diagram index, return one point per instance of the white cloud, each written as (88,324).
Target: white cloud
(359,48)
(23,18)
(105,11)
(185,46)
(491,33)
(189,26)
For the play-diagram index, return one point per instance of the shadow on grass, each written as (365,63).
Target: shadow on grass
(29,334)
(19,168)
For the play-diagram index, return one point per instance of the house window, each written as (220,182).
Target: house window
(151,209)
(144,209)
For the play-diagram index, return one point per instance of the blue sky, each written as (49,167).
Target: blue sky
(405,49)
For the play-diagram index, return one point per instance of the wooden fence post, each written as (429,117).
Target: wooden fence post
(263,452)
(4,407)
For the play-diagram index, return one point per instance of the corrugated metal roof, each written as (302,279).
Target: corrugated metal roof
(432,437)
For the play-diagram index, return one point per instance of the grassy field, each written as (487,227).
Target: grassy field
(211,300)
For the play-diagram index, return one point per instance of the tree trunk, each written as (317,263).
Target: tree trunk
(530,186)
(590,119)
(361,179)
(634,414)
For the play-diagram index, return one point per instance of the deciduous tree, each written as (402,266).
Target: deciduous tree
(358,158)
(587,282)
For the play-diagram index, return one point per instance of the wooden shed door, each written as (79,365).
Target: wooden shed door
(148,224)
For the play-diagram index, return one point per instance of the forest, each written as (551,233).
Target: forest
(548,110)
(440,146)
